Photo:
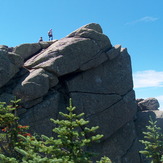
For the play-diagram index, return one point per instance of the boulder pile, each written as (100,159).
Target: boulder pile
(86,67)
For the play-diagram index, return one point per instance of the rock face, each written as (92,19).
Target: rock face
(83,66)
(148,104)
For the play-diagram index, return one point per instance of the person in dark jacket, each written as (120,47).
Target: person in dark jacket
(40,40)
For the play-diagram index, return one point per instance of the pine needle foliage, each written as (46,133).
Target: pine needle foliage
(69,146)
(10,129)
(71,139)
(153,142)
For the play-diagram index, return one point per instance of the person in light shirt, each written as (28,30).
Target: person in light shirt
(50,34)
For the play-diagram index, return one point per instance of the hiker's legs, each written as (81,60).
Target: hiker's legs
(51,38)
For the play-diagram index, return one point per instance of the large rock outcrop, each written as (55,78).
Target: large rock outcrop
(86,67)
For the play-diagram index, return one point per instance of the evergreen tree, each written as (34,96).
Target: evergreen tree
(71,140)
(153,142)
(10,129)
(68,147)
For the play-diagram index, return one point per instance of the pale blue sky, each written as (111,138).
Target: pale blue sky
(137,25)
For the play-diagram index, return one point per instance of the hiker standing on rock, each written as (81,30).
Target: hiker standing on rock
(50,34)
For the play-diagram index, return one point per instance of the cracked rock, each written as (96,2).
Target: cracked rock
(86,67)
